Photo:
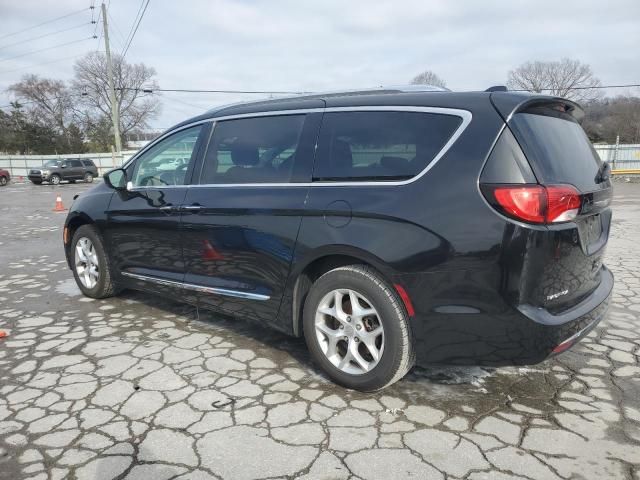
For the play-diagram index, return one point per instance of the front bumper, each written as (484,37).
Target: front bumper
(518,336)
(38,177)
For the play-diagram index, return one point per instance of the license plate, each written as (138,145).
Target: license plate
(594,228)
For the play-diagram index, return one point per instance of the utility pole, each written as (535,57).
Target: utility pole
(115,114)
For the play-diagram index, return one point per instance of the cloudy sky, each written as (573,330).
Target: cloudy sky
(322,45)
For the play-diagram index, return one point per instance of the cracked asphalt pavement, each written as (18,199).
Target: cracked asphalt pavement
(138,387)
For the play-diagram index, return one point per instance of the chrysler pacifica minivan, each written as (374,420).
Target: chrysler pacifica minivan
(385,227)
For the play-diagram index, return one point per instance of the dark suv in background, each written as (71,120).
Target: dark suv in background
(385,227)
(55,171)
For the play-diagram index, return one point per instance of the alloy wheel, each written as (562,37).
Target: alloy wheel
(349,331)
(55,179)
(87,263)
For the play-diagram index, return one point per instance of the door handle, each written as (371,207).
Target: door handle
(191,208)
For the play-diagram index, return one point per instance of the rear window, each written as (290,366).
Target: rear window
(557,148)
(363,146)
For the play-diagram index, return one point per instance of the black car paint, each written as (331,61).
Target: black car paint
(459,260)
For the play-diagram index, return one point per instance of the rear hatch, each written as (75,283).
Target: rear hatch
(562,264)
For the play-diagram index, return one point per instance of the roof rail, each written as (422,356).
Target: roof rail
(416,87)
(332,93)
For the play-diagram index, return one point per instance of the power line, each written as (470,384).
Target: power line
(577,88)
(124,53)
(47,48)
(115,28)
(97,22)
(44,35)
(180,102)
(28,102)
(281,92)
(185,90)
(41,64)
(45,23)
(135,21)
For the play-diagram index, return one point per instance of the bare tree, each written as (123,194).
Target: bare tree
(136,107)
(565,78)
(608,118)
(50,103)
(428,78)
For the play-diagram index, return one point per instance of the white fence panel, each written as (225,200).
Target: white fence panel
(623,156)
(19,165)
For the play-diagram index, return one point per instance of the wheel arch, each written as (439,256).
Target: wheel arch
(73,223)
(319,263)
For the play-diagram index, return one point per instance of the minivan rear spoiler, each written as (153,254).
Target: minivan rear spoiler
(509,103)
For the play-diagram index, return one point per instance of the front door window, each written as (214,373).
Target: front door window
(166,163)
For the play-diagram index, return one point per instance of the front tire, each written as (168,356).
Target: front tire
(357,328)
(91,267)
(55,179)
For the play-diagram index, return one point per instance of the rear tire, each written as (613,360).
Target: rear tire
(88,177)
(104,285)
(3,181)
(393,341)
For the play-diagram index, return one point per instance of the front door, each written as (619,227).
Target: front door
(240,224)
(143,225)
(73,170)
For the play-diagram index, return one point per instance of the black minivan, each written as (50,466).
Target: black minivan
(386,227)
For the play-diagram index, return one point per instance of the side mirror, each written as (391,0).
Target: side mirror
(64,165)
(116,179)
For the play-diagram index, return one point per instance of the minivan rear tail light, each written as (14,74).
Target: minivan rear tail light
(563,203)
(535,203)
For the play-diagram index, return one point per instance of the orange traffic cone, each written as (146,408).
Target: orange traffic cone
(59,206)
(3,334)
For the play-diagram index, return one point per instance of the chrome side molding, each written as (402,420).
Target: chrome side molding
(198,288)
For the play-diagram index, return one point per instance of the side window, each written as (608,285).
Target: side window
(166,163)
(88,163)
(253,150)
(74,163)
(380,145)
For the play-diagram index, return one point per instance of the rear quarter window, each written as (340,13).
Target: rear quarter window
(557,148)
(361,146)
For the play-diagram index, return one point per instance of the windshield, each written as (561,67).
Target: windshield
(51,163)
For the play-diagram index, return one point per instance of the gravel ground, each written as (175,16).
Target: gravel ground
(138,387)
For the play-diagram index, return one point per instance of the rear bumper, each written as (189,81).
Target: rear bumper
(518,336)
(565,329)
